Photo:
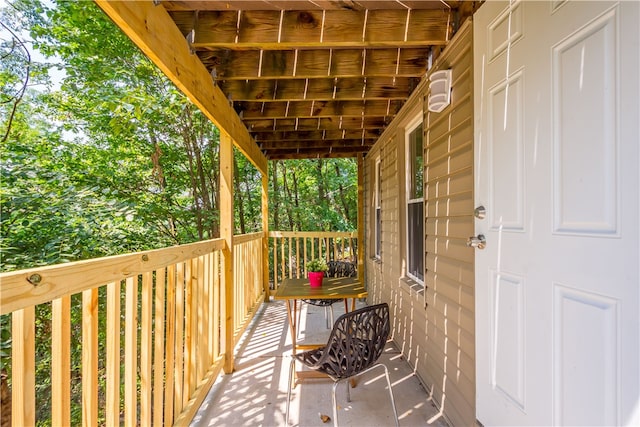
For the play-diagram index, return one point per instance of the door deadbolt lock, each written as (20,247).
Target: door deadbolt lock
(477,241)
(480,212)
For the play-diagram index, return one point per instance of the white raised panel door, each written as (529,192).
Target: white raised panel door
(556,163)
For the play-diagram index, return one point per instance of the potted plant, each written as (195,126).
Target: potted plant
(315,270)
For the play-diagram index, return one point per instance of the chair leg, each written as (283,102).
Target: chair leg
(291,371)
(330,318)
(335,403)
(299,317)
(386,374)
(393,402)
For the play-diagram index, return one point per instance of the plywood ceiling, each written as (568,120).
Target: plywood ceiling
(317,79)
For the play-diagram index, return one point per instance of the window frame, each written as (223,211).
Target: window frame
(377,208)
(410,203)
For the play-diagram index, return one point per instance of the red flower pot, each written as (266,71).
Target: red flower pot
(315,278)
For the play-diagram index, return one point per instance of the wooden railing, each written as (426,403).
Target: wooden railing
(150,327)
(248,278)
(290,250)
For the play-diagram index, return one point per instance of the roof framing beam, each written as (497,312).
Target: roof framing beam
(296,29)
(360,88)
(154,32)
(357,144)
(311,63)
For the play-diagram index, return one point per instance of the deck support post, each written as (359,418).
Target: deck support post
(265,239)
(361,218)
(226,233)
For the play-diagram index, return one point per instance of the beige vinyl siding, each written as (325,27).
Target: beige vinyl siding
(450,348)
(433,324)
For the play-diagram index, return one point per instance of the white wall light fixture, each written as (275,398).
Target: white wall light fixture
(439,90)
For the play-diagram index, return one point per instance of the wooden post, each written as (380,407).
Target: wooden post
(361,218)
(265,239)
(23,365)
(61,362)
(226,233)
(90,357)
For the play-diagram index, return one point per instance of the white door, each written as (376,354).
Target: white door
(556,164)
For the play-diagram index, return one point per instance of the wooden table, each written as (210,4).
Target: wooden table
(292,290)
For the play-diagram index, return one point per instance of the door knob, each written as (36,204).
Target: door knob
(480,212)
(477,241)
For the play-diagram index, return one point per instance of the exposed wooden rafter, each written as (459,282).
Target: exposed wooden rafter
(307,78)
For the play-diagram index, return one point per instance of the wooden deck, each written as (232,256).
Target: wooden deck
(255,393)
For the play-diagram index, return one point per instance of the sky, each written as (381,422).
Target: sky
(56,75)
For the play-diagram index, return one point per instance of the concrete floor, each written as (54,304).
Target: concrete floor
(255,393)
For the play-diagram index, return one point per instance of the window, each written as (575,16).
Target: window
(415,204)
(378,213)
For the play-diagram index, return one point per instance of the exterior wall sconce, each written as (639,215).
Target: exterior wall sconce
(439,90)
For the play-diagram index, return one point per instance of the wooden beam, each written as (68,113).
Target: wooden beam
(305,109)
(326,89)
(226,233)
(265,238)
(309,63)
(299,156)
(154,32)
(361,207)
(329,152)
(299,29)
(266,138)
(336,143)
(336,123)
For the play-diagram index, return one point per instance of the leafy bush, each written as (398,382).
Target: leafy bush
(318,264)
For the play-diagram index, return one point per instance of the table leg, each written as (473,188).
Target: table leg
(291,314)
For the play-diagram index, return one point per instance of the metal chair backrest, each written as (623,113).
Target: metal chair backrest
(341,269)
(356,342)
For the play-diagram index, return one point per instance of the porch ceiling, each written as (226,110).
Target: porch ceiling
(316,78)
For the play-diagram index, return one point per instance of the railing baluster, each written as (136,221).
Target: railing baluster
(159,356)
(193,310)
(113,362)
(61,361)
(297,257)
(188,321)
(275,263)
(90,357)
(216,307)
(289,261)
(130,353)
(179,346)
(313,249)
(23,369)
(145,349)
(203,324)
(170,345)
(198,341)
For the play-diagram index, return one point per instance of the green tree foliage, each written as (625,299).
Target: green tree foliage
(309,195)
(114,159)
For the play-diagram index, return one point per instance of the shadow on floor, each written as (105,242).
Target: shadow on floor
(255,393)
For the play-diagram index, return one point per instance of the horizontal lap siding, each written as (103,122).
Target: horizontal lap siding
(377,276)
(449,365)
(434,325)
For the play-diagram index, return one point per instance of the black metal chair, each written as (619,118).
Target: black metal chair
(355,344)
(336,269)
